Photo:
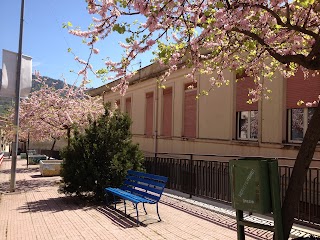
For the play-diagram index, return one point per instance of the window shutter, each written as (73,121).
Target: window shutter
(149,114)
(242,90)
(190,112)
(128,106)
(167,112)
(299,88)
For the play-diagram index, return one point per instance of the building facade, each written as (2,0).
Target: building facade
(172,120)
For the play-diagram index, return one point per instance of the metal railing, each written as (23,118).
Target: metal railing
(207,176)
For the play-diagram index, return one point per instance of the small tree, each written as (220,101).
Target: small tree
(49,113)
(100,156)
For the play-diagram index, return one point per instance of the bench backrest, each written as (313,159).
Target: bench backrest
(146,185)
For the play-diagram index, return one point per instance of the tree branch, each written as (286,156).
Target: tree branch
(279,21)
(288,13)
(312,64)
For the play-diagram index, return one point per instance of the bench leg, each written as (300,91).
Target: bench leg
(115,202)
(144,208)
(158,212)
(125,207)
(137,214)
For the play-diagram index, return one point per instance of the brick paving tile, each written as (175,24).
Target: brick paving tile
(37,211)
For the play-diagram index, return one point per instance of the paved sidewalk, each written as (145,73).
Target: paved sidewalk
(37,211)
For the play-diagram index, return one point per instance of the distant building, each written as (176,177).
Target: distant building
(172,120)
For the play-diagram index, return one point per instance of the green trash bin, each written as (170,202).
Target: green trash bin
(250,185)
(255,188)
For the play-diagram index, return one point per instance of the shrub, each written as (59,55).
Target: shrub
(100,156)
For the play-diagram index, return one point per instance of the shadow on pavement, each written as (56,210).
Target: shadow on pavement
(21,170)
(223,221)
(117,217)
(63,203)
(28,185)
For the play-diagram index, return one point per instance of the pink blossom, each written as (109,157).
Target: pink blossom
(95,50)
(209,35)
(47,112)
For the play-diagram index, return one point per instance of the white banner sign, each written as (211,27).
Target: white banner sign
(9,74)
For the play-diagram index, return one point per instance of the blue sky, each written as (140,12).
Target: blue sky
(47,42)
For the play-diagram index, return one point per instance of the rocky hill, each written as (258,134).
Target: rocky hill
(6,103)
(56,83)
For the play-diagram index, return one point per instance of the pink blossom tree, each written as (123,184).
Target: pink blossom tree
(255,37)
(50,113)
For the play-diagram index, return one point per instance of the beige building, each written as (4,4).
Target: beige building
(171,120)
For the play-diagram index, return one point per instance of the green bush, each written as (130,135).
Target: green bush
(100,156)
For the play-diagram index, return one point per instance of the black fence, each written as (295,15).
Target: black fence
(207,176)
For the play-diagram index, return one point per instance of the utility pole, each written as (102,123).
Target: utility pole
(17,106)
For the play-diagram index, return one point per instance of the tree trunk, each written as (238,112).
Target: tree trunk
(299,173)
(69,135)
(53,144)
(51,154)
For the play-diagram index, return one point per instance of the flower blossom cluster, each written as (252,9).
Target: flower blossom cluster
(211,36)
(48,112)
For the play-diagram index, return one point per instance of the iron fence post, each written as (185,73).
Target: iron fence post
(191,176)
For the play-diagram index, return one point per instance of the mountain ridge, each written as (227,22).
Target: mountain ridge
(56,83)
(6,103)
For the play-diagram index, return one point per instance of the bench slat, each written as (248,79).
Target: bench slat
(128,196)
(148,175)
(146,195)
(140,187)
(143,186)
(145,182)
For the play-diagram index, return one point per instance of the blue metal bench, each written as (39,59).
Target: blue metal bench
(139,187)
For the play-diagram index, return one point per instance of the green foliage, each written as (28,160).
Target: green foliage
(5,105)
(100,156)
(119,28)
(165,51)
(305,3)
(67,25)
(102,71)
